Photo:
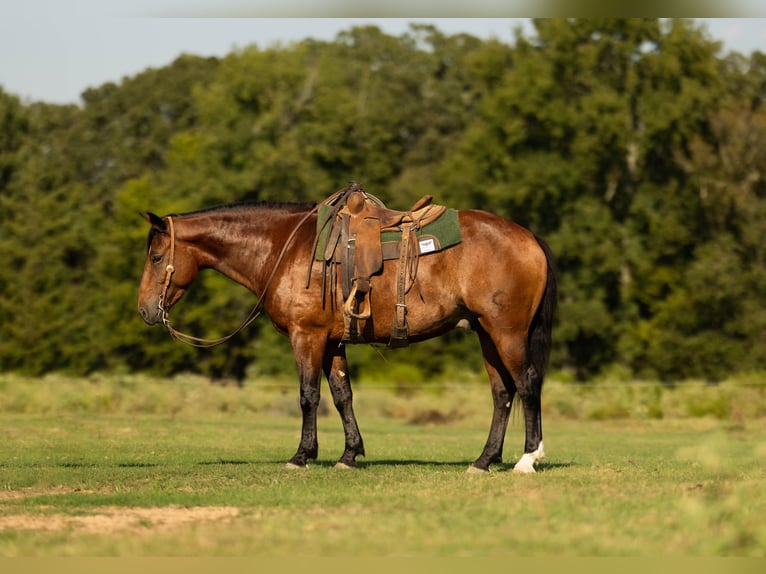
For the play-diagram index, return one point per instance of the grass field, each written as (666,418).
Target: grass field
(133,467)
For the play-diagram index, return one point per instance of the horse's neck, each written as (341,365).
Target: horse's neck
(242,246)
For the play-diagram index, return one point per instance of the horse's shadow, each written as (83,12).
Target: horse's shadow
(504,467)
(541,467)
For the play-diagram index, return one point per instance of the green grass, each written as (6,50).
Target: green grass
(125,478)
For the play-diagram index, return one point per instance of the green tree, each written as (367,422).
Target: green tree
(45,246)
(580,141)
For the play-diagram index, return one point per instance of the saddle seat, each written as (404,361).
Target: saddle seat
(363,206)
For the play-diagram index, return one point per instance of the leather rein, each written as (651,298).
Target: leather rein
(254,313)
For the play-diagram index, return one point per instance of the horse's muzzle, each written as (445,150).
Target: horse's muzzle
(151,316)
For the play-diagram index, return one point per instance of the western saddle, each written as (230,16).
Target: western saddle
(353,228)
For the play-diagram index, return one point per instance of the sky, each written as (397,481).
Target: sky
(53,50)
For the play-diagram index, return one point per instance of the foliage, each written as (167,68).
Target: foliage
(633,145)
(413,401)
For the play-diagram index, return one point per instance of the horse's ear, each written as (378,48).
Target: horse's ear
(155,221)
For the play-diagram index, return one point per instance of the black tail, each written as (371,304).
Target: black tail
(539,344)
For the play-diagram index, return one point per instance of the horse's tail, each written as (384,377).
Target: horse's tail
(539,343)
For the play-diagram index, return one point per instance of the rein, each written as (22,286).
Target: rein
(256,311)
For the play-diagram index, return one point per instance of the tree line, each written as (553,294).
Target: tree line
(634,146)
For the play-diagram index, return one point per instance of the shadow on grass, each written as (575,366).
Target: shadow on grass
(77,465)
(380,463)
(106,465)
(222,461)
(411,462)
(505,467)
(546,466)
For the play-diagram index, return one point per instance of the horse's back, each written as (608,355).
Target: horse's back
(500,240)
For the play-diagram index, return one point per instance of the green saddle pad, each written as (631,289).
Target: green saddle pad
(442,233)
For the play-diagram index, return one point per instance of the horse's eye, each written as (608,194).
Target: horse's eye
(156,258)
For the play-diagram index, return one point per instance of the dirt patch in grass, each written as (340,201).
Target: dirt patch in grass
(109,519)
(119,520)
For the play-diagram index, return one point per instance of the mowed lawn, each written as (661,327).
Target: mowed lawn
(215,484)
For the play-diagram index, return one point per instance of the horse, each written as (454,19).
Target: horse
(500,280)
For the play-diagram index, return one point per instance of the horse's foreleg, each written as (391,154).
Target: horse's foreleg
(502,397)
(336,370)
(308,354)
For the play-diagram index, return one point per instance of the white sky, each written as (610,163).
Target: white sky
(52,50)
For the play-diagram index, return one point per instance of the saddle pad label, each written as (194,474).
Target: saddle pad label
(427,245)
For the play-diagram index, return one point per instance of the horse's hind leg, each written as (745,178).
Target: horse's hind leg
(530,388)
(509,360)
(336,370)
(502,395)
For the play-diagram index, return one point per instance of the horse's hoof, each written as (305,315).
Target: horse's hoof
(523,469)
(476,470)
(344,466)
(293,466)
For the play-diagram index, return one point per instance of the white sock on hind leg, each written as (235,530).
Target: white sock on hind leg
(526,464)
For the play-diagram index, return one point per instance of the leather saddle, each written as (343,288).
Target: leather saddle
(354,242)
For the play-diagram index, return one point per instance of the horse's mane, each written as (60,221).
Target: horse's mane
(251,205)
(296,207)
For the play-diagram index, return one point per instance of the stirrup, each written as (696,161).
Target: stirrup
(360,310)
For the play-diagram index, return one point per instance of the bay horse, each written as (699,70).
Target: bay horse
(500,279)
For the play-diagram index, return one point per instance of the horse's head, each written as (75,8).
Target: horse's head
(168,270)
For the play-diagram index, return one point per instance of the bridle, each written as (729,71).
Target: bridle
(162,302)
(169,270)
